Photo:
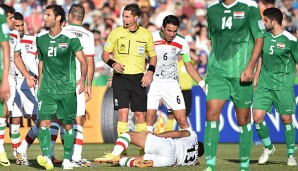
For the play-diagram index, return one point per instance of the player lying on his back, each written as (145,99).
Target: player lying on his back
(172,148)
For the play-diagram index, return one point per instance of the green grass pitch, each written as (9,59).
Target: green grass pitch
(227,159)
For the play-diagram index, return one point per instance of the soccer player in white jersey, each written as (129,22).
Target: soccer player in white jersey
(172,148)
(26,99)
(75,18)
(165,85)
(14,54)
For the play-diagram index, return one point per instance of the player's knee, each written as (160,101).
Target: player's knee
(286,119)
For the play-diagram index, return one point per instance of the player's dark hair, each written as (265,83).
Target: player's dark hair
(170,19)
(58,10)
(18,16)
(134,9)
(274,14)
(77,11)
(7,9)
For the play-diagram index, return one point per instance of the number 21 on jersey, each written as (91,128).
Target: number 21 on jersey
(52,51)
(226,22)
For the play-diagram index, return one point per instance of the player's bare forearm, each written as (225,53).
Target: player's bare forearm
(20,64)
(256,52)
(258,70)
(6,60)
(153,60)
(81,57)
(192,72)
(174,134)
(90,72)
(105,56)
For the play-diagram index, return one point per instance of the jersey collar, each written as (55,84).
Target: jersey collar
(277,35)
(229,6)
(75,25)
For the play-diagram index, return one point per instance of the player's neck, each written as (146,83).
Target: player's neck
(133,28)
(75,23)
(228,2)
(55,30)
(277,30)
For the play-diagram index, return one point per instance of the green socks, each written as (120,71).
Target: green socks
(245,145)
(290,134)
(44,138)
(263,133)
(211,138)
(68,143)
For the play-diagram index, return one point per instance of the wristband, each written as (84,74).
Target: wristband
(110,62)
(151,68)
(202,83)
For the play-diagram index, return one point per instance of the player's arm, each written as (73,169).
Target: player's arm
(257,72)
(4,89)
(40,63)
(21,66)
(81,57)
(174,134)
(147,78)
(90,74)
(192,71)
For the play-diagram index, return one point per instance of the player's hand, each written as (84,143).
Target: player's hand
(147,79)
(80,84)
(4,91)
(88,92)
(110,82)
(119,68)
(31,81)
(247,75)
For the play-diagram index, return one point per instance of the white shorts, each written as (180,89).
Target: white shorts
(25,99)
(167,90)
(81,103)
(160,150)
(12,85)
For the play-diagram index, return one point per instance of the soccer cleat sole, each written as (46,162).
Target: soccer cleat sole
(144,163)
(111,161)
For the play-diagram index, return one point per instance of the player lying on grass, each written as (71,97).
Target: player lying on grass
(172,148)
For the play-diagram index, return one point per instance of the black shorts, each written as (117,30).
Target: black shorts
(187,95)
(127,89)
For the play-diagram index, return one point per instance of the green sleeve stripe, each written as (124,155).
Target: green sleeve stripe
(185,57)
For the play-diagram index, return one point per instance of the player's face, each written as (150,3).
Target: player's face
(19,26)
(268,23)
(10,20)
(49,19)
(169,32)
(128,19)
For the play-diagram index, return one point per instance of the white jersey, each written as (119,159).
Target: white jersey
(14,43)
(87,42)
(187,150)
(29,53)
(167,55)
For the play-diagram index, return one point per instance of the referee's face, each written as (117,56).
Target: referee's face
(169,32)
(128,19)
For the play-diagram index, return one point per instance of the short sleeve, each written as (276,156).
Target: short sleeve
(295,50)
(40,57)
(89,50)
(111,42)
(18,44)
(150,45)
(76,45)
(256,24)
(4,29)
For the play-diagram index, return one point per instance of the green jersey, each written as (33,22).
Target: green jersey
(58,56)
(4,34)
(232,30)
(279,57)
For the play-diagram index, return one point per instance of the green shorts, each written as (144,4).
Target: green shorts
(283,100)
(64,106)
(223,88)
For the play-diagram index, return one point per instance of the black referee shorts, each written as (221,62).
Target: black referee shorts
(128,90)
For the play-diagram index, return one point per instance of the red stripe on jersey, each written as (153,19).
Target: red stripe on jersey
(78,141)
(13,35)
(34,53)
(1,137)
(26,41)
(53,137)
(160,41)
(29,140)
(176,45)
(120,143)
(16,145)
(131,163)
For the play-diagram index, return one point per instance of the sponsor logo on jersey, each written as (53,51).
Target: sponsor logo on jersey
(280,45)
(227,11)
(62,45)
(173,50)
(141,50)
(52,41)
(238,14)
(27,46)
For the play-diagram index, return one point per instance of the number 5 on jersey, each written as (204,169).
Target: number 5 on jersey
(52,51)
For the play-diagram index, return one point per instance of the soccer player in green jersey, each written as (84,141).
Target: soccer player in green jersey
(4,86)
(275,85)
(236,32)
(57,50)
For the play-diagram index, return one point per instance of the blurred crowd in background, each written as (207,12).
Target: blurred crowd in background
(101,16)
